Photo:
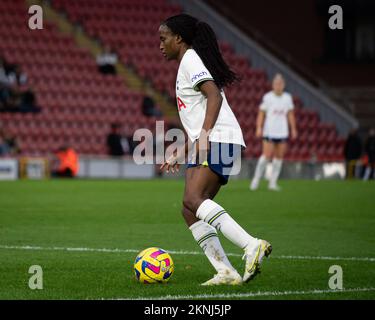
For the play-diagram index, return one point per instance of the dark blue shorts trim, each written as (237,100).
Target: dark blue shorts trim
(275,140)
(221,158)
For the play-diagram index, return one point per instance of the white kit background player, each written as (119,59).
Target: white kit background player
(275,113)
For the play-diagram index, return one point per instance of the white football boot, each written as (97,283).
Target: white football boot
(225,278)
(274,187)
(254,257)
(254,184)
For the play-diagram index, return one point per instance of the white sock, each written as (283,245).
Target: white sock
(367,174)
(261,166)
(276,168)
(207,238)
(216,216)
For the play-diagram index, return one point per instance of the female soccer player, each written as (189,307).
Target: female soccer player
(212,128)
(275,112)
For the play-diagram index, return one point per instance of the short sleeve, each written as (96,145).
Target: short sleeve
(290,104)
(195,70)
(264,104)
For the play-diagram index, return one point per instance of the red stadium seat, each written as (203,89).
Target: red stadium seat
(77,101)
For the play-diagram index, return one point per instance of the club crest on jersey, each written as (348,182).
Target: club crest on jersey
(199,75)
(180,104)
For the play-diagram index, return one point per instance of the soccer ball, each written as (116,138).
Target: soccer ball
(153,265)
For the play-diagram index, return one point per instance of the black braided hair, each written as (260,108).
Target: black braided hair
(200,36)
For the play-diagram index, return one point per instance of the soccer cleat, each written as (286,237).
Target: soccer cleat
(224,278)
(274,187)
(254,259)
(254,184)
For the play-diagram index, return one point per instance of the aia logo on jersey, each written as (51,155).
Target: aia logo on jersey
(278,112)
(180,104)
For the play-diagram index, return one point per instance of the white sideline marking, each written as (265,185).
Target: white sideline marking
(247,295)
(180,252)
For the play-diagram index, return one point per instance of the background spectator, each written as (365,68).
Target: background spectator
(107,61)
(3,71)
(15,95)
(4,147)
(119,144)
(149,108)
(16,77)
(114,138)
(352,152)
(370,152)
(12,144)
(27,101)
(4,86)
(127,145)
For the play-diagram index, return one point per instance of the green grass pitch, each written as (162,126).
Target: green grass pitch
(311,225)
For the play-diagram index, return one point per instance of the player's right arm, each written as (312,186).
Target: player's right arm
(259,123)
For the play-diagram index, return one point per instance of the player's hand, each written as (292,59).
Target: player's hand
(202,147)
(172,163)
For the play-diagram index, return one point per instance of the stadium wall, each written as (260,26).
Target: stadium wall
(94,167)
(112,168)
(109,168)
(312,98)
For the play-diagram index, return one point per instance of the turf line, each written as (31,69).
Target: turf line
(179,252)
(248,294)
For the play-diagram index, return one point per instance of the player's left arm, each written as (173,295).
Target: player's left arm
(292,124)
(174,161)
(214,101)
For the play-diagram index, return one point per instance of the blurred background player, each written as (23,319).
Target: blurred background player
(275,112)
(210,125)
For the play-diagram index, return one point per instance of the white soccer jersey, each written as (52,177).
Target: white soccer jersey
(276,109)
(192,103)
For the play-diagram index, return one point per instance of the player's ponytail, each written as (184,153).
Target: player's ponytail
(202,38)
(207,47)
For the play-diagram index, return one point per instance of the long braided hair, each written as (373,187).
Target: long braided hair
(200,36)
